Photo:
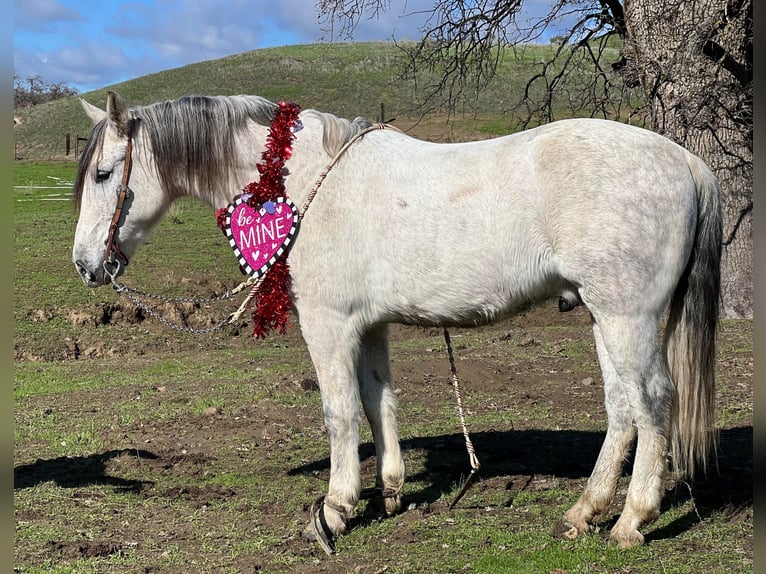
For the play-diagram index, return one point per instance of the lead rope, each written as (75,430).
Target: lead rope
(473,459)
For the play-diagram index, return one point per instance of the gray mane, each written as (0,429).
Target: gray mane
(337,131)
(92,147)
(193,139)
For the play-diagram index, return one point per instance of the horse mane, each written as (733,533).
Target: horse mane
(337,131)
(193,139)
(92,146)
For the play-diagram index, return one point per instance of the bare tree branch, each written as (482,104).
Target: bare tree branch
(347,14)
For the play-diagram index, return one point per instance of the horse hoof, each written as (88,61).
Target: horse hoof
(565,530)
(626,537)
(383,505)
(318,530)
(309,535)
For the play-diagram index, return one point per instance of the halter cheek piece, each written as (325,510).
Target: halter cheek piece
(114,256)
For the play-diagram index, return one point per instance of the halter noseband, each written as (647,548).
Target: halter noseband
(113,255)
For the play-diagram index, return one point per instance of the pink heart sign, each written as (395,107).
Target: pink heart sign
(259,237)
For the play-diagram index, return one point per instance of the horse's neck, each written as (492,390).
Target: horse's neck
(307,162)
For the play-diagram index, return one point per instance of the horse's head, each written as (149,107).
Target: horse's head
(108,233)
(200,146)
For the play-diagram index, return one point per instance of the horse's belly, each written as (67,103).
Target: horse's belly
(467,299)
(429,281)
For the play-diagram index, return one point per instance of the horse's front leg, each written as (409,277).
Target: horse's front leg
(333,344)
(379,402)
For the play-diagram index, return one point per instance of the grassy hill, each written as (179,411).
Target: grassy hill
(348,80)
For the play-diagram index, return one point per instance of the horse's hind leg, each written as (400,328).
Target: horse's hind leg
(379,402)
(644,371)
(620,434)
(638,390)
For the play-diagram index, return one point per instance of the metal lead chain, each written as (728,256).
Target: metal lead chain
(120,288)
(134,294)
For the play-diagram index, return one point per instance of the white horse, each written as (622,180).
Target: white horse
(597,212)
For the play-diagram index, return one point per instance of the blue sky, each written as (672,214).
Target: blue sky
(90,44)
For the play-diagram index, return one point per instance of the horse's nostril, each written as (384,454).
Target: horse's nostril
(84,272)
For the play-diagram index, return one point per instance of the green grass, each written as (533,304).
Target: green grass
(537,555)
(32,379)
(45,173)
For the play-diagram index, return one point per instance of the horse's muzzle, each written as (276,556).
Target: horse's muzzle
(92,278)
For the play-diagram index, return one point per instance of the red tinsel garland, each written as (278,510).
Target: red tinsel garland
(272,301)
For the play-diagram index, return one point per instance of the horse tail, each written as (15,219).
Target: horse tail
(690,335)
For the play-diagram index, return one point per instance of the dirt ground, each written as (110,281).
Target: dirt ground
(538,367)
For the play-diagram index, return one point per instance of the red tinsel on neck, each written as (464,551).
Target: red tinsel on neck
(272,301)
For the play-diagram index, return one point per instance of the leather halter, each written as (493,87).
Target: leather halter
(113,254)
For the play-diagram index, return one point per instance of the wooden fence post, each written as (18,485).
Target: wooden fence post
(78,139)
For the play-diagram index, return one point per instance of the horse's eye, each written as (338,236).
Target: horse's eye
(102,175)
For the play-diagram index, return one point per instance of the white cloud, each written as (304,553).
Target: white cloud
(85,64)
(42,15)
(191,30)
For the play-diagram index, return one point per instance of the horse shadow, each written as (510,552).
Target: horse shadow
(516,458)
(78,471)
(512,457)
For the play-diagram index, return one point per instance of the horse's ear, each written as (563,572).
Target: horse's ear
(117,112)
(94,113)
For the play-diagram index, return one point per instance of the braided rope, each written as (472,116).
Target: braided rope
(475,465)
(468,444)
(320,180)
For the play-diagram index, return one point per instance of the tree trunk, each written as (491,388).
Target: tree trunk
(694,61)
